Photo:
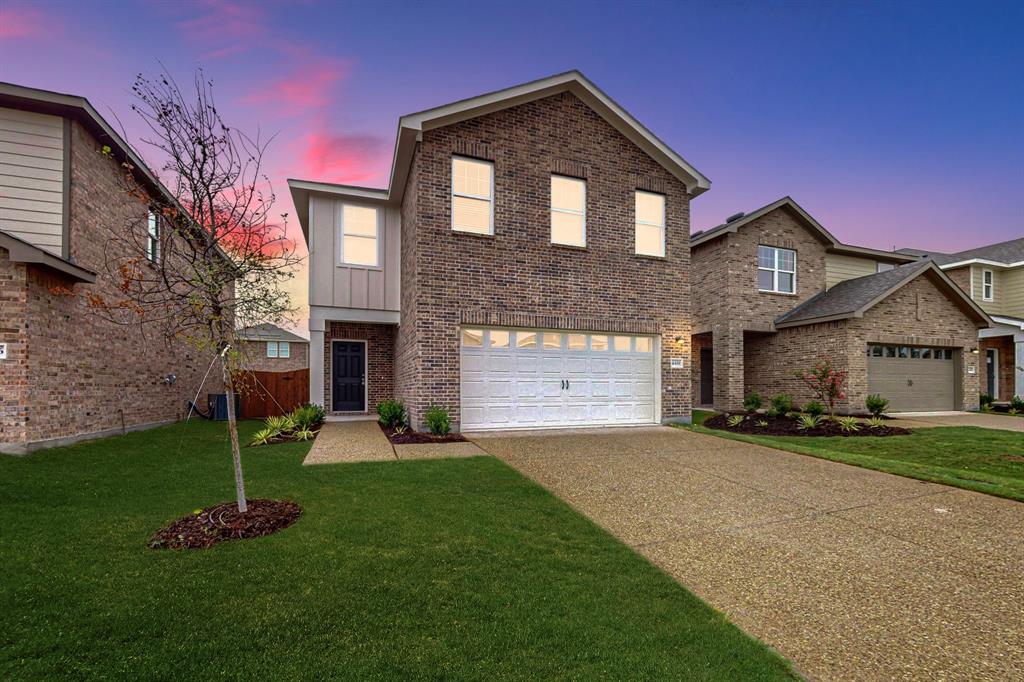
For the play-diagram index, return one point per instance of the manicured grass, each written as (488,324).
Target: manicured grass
(449,569)
(986,460)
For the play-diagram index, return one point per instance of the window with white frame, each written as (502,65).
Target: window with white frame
(988,285)
(568,211)
(650,223)
(776,270)
(360,226)
(279,349)
(153,236)
(472,195)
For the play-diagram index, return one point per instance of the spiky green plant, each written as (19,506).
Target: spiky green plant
(762,423)
(303,434)
(263,437)
(735,420)
(875,423)
(805,422)
(848,424)
(279,424)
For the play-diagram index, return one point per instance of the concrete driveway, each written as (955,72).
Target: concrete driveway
(1002,422)
(853,574)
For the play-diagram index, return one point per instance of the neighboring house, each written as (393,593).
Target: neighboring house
(527,266)
(268,348)
(993,275)
(65,374)
(773,292)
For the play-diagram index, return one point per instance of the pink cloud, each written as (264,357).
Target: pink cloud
(342,158)
(226,26)
(23,22)
(306,88)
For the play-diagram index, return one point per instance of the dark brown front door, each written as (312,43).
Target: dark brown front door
(707,376)
(348,376)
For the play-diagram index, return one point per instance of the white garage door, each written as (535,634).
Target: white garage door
(526,378)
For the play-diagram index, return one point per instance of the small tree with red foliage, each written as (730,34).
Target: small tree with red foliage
(826,382)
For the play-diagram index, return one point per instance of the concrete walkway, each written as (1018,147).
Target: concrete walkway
(363,441)
(851,573)
(1003,422)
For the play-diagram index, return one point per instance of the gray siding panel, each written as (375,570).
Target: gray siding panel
(32,178)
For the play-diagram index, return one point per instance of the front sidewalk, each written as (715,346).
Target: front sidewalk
(343,442)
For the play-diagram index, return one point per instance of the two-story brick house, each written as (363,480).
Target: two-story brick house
(527,266)
(773,291)
(66,373)
(993,276)
(269,348)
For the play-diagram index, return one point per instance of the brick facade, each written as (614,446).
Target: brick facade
(254,357)
(450,278)
(749,355)
(380,358)
(69,372)
(1005,358)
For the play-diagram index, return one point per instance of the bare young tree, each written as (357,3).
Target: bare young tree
(198,253)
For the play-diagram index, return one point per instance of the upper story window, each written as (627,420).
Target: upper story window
(472,195)
(359,235)
(153,221)
(776,270)
(279,349)
(650,223)
(987,285)
(568,211)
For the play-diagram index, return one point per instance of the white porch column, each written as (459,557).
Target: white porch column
(1018,371)
(316,362)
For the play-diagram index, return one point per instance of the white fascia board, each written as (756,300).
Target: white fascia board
(981,261)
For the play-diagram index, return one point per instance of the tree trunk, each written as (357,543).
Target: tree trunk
(236,454)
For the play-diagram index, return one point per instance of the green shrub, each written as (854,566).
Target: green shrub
(986,407)
(814,408)
(303,434)
(848,424)
(735,420)
(307,416)
(437,420)
(808,421)
(781,404)
(1017,403)
(753,402)
(876,404)
(280,425)
(391,413)
(986,399)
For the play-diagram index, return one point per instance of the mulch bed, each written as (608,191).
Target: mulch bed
(417,437)
(223,522)
(787,426)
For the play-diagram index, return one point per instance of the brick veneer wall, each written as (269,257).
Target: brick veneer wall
(86,375)
(14,376)
(380,358)
(450,277)
(254,354)
(962,277)
(772,359)
(728,303)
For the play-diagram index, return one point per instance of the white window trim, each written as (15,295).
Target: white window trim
(490,199)
(990,286)
(662,225)
(570,211)
(776,270)
(341,237)
(274,344)
(153,236)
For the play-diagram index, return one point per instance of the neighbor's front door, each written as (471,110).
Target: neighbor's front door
(348,370)
(990,373)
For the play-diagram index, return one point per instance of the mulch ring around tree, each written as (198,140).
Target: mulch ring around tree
(409,437)
(224,522)
(788,426)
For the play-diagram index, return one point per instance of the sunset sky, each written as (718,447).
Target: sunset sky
(894,124)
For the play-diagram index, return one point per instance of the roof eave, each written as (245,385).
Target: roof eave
(22,252)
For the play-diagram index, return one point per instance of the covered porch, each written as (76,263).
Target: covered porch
(1002,350)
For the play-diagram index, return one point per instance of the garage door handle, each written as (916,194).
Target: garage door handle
(910,382)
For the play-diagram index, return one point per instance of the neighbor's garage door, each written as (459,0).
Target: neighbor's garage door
(913,378)
(519,378)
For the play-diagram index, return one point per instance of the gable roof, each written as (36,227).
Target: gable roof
(268,332)
(1010,252)
(854,297)
(412,126)
(817,229)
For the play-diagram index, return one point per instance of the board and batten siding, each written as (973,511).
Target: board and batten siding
(1013,290)
(334,284)
(839,268)
(32,168)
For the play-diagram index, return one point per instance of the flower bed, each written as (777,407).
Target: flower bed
(219,523)
(408,436)
(788,426)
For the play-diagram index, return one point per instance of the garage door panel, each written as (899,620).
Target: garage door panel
(909,383)
(522,387)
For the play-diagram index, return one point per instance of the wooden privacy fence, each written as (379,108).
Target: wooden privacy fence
(267,394)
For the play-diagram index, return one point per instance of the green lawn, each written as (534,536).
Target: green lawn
(451,569)
(985,460)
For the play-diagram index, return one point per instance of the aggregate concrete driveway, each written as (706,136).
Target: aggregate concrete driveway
(852,574)
(1001,422)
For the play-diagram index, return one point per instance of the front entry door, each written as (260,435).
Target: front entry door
(707,376)
(348,369)
(990,373)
